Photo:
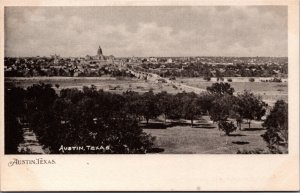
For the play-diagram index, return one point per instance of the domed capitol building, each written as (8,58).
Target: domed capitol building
(100,57)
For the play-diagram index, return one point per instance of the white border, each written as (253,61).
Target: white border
(163,172)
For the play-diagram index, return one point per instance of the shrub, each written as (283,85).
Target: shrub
(275,80)
(220,88)
(207,78)
(229,80)
(251,79)
(227,127)
(220,78)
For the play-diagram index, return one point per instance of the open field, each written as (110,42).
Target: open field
(205,138)
(270,91)
(110,84)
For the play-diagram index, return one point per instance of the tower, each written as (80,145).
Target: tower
(99,52)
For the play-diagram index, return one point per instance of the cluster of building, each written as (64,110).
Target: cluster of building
(100,64)
(219,66)
(56,65)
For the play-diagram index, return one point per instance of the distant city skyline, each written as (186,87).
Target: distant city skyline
(165,31)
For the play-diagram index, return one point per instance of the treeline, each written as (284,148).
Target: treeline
(90,116)
(208,70)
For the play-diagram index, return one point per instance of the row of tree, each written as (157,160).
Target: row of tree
(209,70)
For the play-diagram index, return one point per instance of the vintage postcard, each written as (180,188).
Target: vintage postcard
(147,95)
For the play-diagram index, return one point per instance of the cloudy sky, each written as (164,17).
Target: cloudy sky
(147,31)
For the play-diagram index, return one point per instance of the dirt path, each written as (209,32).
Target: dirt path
(30,144)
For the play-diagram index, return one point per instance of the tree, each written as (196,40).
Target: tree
(227,127)
(39,100)
(219,75)
(13,134)
(220,88)
(150,108)
(236,112)
(72,94)
(277,125)
(220,110)
(176,105)
(165,103)
(133,104)
(251,106)
(40,96)
(206,101)
(14,113)
(191,107)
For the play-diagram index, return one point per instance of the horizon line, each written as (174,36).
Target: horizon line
(151,56)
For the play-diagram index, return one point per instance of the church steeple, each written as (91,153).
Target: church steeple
(99,52)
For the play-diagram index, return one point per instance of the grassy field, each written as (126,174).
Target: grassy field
(110,84)
(205,138)
(270,91)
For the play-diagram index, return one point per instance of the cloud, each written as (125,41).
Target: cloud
(149,31)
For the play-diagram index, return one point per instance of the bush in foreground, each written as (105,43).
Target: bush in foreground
(227,127)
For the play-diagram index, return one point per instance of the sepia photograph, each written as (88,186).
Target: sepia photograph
(147,95)
(146,80)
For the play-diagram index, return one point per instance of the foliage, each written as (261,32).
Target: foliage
(220,109)
(250,106)
(220,88)
(150,107)
(133,104)
(95,117)
(275,80)
(77,118)
(277,126)
(236,111)
(205,100)
(13,134)
(207,78)
(165,104)
(191,107)
(14,110)
(176,105)
(227,127)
